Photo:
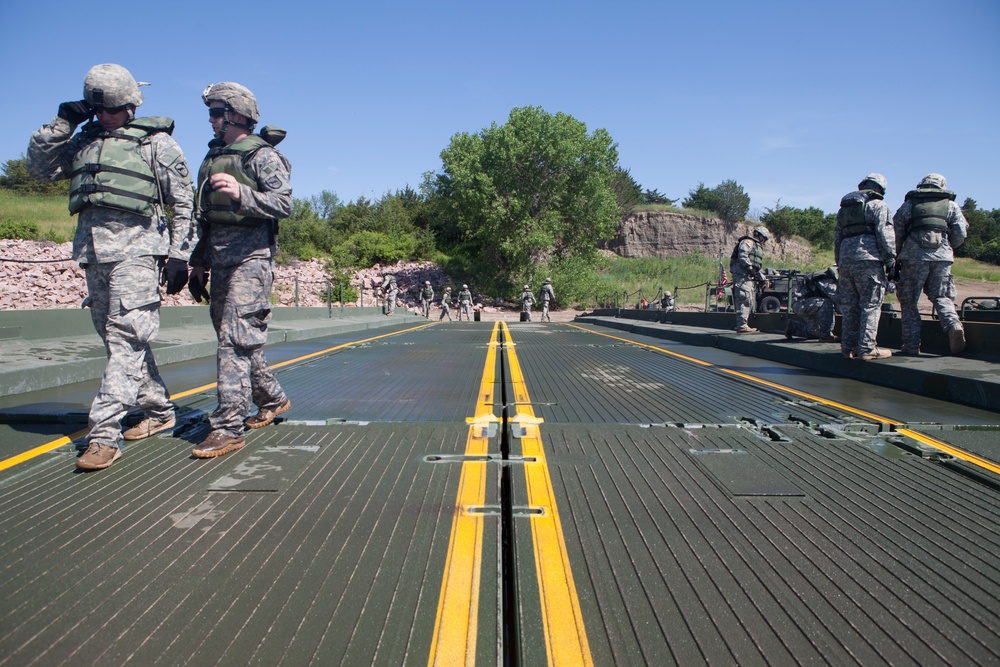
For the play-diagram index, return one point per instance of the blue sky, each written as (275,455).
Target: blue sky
(793,100)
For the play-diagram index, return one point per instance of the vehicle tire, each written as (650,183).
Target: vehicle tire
(770,304)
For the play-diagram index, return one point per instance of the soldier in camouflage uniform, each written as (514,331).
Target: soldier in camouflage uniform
(668,302)
(865,248)
(814,300)
(545,295)
(929,226)
(446,304)
(426,298)
(243,190)
(527,299)
(123,171)
(389,291)
(745,264)
(465,304)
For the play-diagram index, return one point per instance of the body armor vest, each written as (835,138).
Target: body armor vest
(756,255)
(852,209)
(109,169)
(232,160)
(930,209)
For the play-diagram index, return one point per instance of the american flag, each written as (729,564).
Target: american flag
(722,280)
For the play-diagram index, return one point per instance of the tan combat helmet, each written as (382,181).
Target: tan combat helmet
(761,232)
(111,86)
(874,179)
(933,182)
(236,98)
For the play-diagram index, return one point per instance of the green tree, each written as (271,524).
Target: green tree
(537,187)
(812,223)
(727,200)
(657,197)
(15,177)
(701,198)
(628,193)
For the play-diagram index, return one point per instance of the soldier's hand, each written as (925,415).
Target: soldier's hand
(75,112)
(197,284)
(175,274)
(226,184)
(894,274)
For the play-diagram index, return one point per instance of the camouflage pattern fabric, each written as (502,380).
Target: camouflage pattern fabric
(445,305)
(106,235)
(925,266)
(240,313)
(861,291)
(465,305)
(426,298)
(527,299)
(744,288)
(861,263)
(818,315)
(547,294)
(389,291)
(125,309)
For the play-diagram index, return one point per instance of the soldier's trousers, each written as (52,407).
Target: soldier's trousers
(445,310)
(933,279)
(545,312)
(390,302)
(860,291)
(526,308)
(465,308)
(425,306)
(240,313)
(125,309)
(743,302)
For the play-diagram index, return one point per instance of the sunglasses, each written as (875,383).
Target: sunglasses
(216,112)
(109,110)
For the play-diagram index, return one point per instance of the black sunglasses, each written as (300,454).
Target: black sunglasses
(109,110)
(216,112)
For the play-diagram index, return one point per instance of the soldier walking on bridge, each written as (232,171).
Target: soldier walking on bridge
(445,304)
(465,304)
(244,189)
(929,226)
(123,172)
(527,299)
(545,295)
(864,245)
(745,264)
(390,289)
(426,299)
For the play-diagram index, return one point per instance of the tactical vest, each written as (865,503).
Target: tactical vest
(756,255)
(109,169)
(852,213)
(233,160)
(930,209)
(427,293)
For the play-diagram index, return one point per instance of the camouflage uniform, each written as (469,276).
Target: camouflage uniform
(745,266)
(120,251)
(241,260)
(465,304)
(446,304)
(389,291)
(426,299)
(925,256)
(545,295)
(814,300)
(862,259)
(527,299)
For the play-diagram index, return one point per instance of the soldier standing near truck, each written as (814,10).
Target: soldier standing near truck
(745,265)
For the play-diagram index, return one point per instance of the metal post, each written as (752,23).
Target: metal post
(296,291)
(329,300)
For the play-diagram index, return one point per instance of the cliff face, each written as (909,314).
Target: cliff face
(664,234)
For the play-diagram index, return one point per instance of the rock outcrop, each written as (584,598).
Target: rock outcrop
(665,234)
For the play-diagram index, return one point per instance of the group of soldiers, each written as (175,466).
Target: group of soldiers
(875,251)
(389,291)
(125,173)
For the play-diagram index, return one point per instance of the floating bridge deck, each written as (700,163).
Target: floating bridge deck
(485,493)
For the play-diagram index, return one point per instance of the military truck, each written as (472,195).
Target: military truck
(773,297)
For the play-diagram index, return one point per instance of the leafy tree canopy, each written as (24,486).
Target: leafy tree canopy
(15,177)
(728,200)
(538,187)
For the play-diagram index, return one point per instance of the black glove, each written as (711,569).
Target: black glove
(892,270)
(75,112)
(175,275)
(197,287)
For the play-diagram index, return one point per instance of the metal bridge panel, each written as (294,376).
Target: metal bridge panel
(139,564)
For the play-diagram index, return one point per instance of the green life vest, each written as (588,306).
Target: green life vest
(852,213)
(233,160)
(930,209)
(756,255)
(109,169)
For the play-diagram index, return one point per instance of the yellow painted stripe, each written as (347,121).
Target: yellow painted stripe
(565,635)
(920,437)
(56,444)
(456,626)
(948,449)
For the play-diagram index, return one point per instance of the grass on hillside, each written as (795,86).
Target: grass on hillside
(48,212)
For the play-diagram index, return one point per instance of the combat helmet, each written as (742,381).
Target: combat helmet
(933,181)
(874,179)
(236,98)
(111,86)
(548,280)
(761,231)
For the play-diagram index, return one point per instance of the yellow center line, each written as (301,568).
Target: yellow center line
(456,626)
(565,635)
(56,444)
(919,437)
